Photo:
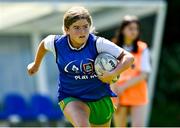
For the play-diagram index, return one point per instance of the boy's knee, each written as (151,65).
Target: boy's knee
(82,123)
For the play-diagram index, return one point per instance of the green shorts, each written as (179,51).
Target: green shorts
(101,111)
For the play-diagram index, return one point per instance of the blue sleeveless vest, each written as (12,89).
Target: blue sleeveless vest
(77,77)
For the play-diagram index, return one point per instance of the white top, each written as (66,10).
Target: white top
(103,45)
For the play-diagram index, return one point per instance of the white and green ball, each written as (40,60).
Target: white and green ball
(105,62)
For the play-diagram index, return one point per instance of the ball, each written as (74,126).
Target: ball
(105,62)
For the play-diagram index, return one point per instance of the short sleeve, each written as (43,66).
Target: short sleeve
(49,43)
(145,62)
(104,45)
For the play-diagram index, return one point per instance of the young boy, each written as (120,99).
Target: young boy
(83,97)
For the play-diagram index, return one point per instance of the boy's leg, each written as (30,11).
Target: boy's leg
(77,113)
(120,116)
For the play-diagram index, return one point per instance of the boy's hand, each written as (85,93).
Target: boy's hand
(107,77)
(32,68)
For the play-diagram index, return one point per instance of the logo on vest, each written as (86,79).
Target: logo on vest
(88,68)
(82,69)
(75,69)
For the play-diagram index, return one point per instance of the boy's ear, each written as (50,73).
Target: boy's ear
(66,30)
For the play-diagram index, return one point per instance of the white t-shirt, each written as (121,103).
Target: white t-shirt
(102,45)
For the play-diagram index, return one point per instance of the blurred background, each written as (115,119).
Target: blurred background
(32,101)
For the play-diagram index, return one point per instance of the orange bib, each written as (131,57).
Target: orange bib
(137,94)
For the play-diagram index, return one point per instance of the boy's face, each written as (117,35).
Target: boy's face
(79,32)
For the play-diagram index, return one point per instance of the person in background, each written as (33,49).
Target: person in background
(131,87)
(83,97)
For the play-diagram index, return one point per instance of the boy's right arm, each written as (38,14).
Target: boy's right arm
(34,66)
